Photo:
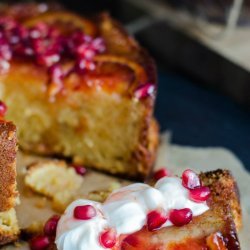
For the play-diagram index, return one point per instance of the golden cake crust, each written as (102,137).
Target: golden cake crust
(8,151)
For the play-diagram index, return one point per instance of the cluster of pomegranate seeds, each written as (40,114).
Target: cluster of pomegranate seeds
(81,170)
(155,219)
(3,109)
(48,47)
(197,192)
(163,172)
(42,242)
(144,90)
(180,217)
(108,238)
(85,212)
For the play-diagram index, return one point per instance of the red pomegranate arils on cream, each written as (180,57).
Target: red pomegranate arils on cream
(108,238)
(190,179)
(155,219)
(3,109)
(40,242)
(144,91)
(180,217)
(163,172)
(51,225)
(199,194)
(85,212)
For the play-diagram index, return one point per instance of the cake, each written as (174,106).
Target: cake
(55,180)
(79,88)
(192,213)
(8,192)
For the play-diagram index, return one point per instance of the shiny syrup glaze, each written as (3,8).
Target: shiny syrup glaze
(118,72)
(139,241)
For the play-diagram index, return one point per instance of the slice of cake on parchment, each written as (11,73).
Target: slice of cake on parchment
(191,213)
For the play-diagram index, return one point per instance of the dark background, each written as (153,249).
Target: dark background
(196,110)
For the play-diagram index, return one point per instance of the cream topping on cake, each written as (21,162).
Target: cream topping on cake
(125,211)
(75,234)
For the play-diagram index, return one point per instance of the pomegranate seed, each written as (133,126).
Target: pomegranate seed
(40,242)
(56,73)
(51,226)
(180,217)
(4,66)
(85,51)
(39,31)
(130,240)
(199,194)
(163,172)
(53,32)
(7,23)
(144,91)
(48,58)
(85,212)
(24,49)
(5,50)
(83,65)
(190,179)
(38,46)
(108,238)
(3,109)
(78,38)
(81,170)
(98,45)
(156,219)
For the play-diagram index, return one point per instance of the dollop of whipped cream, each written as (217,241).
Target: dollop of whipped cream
(74,234)
(125,210)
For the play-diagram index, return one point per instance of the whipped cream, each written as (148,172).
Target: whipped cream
(74,234)
(125,210)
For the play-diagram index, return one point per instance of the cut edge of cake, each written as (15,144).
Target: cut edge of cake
(9,230)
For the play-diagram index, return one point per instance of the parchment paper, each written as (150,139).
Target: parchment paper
(176,158)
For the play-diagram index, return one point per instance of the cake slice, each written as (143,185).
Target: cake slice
(216,229)
(196,213)
(79,88)
(8,193)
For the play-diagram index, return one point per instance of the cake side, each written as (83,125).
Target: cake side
(8,150)
(93,110)
(9,229)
